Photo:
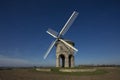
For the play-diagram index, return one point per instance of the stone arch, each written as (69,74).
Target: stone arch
(62,60)
(71,61)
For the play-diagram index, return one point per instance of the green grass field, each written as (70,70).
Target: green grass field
(56,71)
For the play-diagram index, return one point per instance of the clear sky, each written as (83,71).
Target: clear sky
(23,25)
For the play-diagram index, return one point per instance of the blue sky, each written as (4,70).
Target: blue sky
(23,25)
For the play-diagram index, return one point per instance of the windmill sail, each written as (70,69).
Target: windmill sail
(52,32)
(49,49)
(62,32)
(68,44)
(68,23)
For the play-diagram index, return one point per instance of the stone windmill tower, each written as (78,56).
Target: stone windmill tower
(64,55)
(64,48)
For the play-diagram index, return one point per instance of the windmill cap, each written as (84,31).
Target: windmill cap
(68,41)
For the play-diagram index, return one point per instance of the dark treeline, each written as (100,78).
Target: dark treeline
(82,65)
(99,65)
(26,67)
(12,68)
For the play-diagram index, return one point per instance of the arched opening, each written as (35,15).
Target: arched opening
(62,60)
(70,60)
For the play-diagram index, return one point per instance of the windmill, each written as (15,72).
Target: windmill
(58,36)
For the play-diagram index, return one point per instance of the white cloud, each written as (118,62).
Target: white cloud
(7,61)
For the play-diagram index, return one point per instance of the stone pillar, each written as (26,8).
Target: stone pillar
(66,61)
(72,61)
(57,61)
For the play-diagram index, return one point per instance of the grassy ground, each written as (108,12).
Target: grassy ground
(31,74)
(97,72)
